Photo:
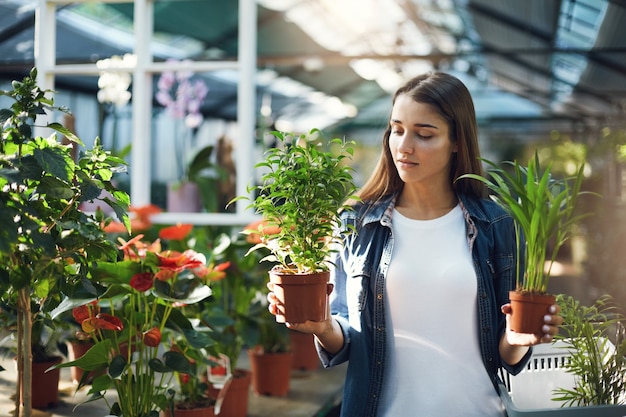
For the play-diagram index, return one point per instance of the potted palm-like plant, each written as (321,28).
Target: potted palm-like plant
(543,209)
(581,374)
(301,194)
(595,340)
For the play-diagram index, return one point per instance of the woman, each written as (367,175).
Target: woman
(420,288)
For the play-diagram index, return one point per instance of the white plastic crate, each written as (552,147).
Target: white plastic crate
(529,394)
(545,371)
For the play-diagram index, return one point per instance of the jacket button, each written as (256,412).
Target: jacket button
(486,329)
(379,296)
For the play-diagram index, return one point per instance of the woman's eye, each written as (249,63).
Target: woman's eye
(424,136)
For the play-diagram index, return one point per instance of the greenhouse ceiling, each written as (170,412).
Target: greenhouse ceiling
(336,62)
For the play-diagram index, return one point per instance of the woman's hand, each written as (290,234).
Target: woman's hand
(550,328)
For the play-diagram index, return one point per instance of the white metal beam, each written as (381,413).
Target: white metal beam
(246,98)
(140,175)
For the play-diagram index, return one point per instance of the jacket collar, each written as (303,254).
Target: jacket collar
(380,211)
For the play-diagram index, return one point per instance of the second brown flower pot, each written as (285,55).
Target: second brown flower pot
(271,372)
(528,311)
(305,357)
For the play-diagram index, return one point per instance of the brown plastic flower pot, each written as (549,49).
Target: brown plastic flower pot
(528,311)
(301,297)
(271,372)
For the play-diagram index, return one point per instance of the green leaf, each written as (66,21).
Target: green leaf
(65,132)
(95,358)
(117,366)
(158,366)
(55,188)
(54,162)
(100,383)
(177,361)
(198,339)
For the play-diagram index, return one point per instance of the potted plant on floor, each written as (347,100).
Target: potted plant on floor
(270,357)
(190,398)
(45,342)
(544,212)
(236,282)
(47,243)
(305,186)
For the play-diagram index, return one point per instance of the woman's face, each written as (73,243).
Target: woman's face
(420,143)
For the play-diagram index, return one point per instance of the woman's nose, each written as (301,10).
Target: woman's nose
(405,145)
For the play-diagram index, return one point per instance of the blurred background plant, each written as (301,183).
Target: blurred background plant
(182,94)
(236,289)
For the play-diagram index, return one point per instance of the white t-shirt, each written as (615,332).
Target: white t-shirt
(434,366)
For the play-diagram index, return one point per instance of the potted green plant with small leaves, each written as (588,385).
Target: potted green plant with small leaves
(305,185)
(544,212)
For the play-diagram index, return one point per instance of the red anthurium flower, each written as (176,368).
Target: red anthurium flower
(142,281)
(136,225)
(217,273)
(165,274)
(177,262)
(202,272)
(114,227)
(177,232)
(222,267)
(102,321)
(82,313)
(145,212)
(152,337)
(135,249)
(258,228)
(129,247)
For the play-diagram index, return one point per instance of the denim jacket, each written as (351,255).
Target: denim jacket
(357,301)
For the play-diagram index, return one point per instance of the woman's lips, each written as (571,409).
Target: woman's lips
(406,163)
